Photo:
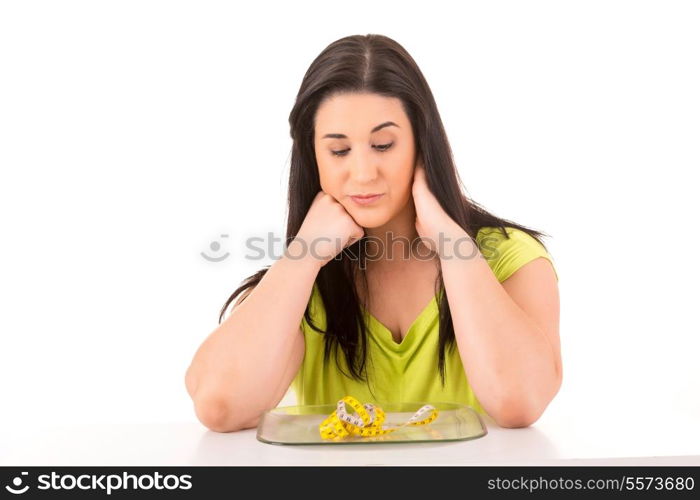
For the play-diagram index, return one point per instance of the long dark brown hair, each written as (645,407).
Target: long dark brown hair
(375,64)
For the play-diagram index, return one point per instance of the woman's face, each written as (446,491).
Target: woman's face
(364,145)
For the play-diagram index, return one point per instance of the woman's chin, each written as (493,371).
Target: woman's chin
(370,221)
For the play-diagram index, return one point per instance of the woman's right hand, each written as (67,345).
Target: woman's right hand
(327,229)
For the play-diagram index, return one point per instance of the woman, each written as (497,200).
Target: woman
(415,294)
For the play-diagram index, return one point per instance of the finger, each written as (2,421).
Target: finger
(359,234)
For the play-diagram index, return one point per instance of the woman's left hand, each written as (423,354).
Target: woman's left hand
(431,219)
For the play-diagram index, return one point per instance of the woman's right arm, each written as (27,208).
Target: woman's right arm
(245,366)
(241,368)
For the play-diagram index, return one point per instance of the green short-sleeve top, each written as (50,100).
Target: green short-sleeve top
(406,371)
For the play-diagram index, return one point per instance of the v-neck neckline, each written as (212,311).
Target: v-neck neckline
(407,339)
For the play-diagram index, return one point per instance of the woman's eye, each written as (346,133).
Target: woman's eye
(380,147)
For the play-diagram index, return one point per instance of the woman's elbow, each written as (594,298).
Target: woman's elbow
(516,413)
(515,420)
(526,408)
(219,415)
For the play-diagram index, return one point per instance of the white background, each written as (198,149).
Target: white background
(133,134)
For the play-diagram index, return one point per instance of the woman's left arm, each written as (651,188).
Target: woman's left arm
(507,334)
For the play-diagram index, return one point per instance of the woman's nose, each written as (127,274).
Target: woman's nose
(364,169)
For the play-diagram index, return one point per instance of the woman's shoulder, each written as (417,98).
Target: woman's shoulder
(505,254)
(495,234)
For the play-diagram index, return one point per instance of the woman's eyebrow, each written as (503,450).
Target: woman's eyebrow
(343,136)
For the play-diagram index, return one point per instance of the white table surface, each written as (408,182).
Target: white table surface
(597,440)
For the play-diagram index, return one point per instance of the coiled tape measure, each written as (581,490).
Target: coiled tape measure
(367,420)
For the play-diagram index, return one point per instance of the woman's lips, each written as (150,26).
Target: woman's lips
(366,200)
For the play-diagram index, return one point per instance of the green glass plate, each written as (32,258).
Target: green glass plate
(299,424)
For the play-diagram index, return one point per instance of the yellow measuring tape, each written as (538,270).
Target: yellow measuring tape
(367,420)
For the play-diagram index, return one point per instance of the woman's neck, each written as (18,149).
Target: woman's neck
(394,243)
